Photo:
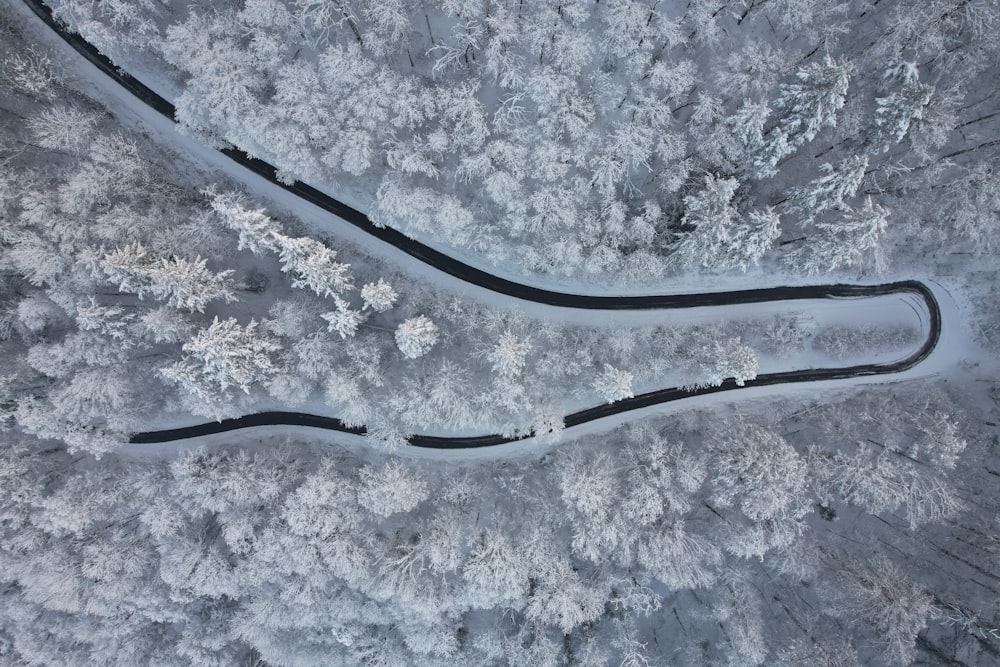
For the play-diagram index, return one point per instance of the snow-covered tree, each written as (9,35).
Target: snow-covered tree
(37,312)
(613,384)
(785,336)
(811,103)
(716,236)
(423,210)
(113,321)
(445,398)
(709,213)
(714,360)
(313,266)
(876,595)
(509,355)
(257,232)
(165,325)
(344,320)
(628,24)
(229,355)
(679,559)
(589,485)
(416,336)
(129,267)
(293,318)
(347,394)
(188,284)
(379,296)
(829,192)
(760,472)
(887,482)
(565,599)
(971,204)
(64,129)
(747,128)
(31,72)
(750,239)
(845,342)
(818,653)
(740,612)
(900,108)
(180,282)
(394,487)
(855,240)
(497,571)
(754,70)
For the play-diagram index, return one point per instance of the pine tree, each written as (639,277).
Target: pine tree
(811,103)
(314,266)
(228,355)
(113,321)
(853,241)
(257,232)
(180,282)
(165,325)
(188,284)
(709,213)
(900,108)
(128,266)
(750,239)
(747,129)
(721,238)
(829,192)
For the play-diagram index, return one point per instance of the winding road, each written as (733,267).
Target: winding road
(476,276)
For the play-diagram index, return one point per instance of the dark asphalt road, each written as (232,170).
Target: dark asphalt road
(481,278)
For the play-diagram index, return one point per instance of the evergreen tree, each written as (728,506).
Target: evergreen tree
(257,232)
(896,112)
(314,266)
(180,282)
(812,102)
(855,240)
(829,192)
(227,354)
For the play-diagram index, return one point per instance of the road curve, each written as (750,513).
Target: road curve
(494,283)
(657,397)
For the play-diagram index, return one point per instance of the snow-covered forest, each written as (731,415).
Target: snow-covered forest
(622,139)
(590,147)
